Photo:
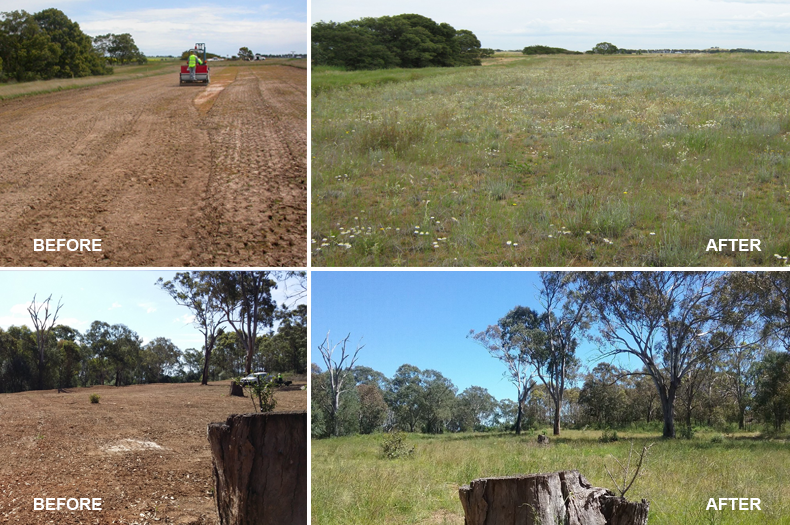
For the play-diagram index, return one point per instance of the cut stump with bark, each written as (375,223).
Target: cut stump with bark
(564,497)
(236,389)
(260,468)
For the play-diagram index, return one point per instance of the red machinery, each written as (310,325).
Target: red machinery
(201,72)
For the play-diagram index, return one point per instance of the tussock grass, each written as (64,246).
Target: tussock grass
(353,483)
(552,161)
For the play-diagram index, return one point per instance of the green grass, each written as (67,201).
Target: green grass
(39,87)
(325,78)
(353,483)
(553,161)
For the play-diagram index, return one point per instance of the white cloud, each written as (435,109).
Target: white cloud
(21,308)
(34,6)
(20,317)
(74,323)
(223,29)
(148,307)
(114,306)
(185,319)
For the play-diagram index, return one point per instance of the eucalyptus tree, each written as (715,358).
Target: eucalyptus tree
(772,392)
(671,321)
(43,320)
(437,401)
(404,396)
(567,316)
(508,341)
(339,376)
(372,408)
(245,299)
(193,290)
(474,407)
(117,346)
(772,290)
(159,358)
(737,368)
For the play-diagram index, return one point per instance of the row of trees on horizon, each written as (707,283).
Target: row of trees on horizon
(415,400)
(416,41)
(712,348)
(237,306)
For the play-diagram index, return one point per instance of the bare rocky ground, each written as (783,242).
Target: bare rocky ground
(165,175)
(143,449)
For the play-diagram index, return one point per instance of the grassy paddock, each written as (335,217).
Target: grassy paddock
(300,63)
(325,78)
(352,483)
(551,161)
(23,89)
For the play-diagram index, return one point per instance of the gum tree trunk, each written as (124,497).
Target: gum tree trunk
(260,468)
(557,405)
(668,409)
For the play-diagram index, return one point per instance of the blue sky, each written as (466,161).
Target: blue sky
(580,24)
(422,318)
(128,297)
(168,28)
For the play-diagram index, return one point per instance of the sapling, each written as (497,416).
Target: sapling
(263,389)
(626,469)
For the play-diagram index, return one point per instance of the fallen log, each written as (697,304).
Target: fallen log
(564,497)
(260,468)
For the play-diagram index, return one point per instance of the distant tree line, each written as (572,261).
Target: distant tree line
(546,50)
(185,54)
(609,397)
(712,350)
(46,45)
(405,41)
(54,355)
(605,48)
(413,400)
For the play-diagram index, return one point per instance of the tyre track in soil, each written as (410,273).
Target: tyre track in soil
(134,163)
(257,127)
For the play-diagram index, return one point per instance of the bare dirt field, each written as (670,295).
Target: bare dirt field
(143,449)
(164,175)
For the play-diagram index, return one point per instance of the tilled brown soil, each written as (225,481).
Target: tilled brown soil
(143,450)
(164,175)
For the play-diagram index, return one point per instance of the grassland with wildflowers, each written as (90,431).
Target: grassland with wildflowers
(553,161)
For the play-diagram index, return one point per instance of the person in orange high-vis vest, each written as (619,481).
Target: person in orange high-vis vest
(193,60)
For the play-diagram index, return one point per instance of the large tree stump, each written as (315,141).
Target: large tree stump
(260,468)
(564,497)
(236,389)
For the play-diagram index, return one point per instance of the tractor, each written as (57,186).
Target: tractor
(201,71)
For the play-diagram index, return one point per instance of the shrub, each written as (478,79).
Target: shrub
(263,390)
(609,436)
(687,432)
(718,438)
(394,447)
(95,398)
